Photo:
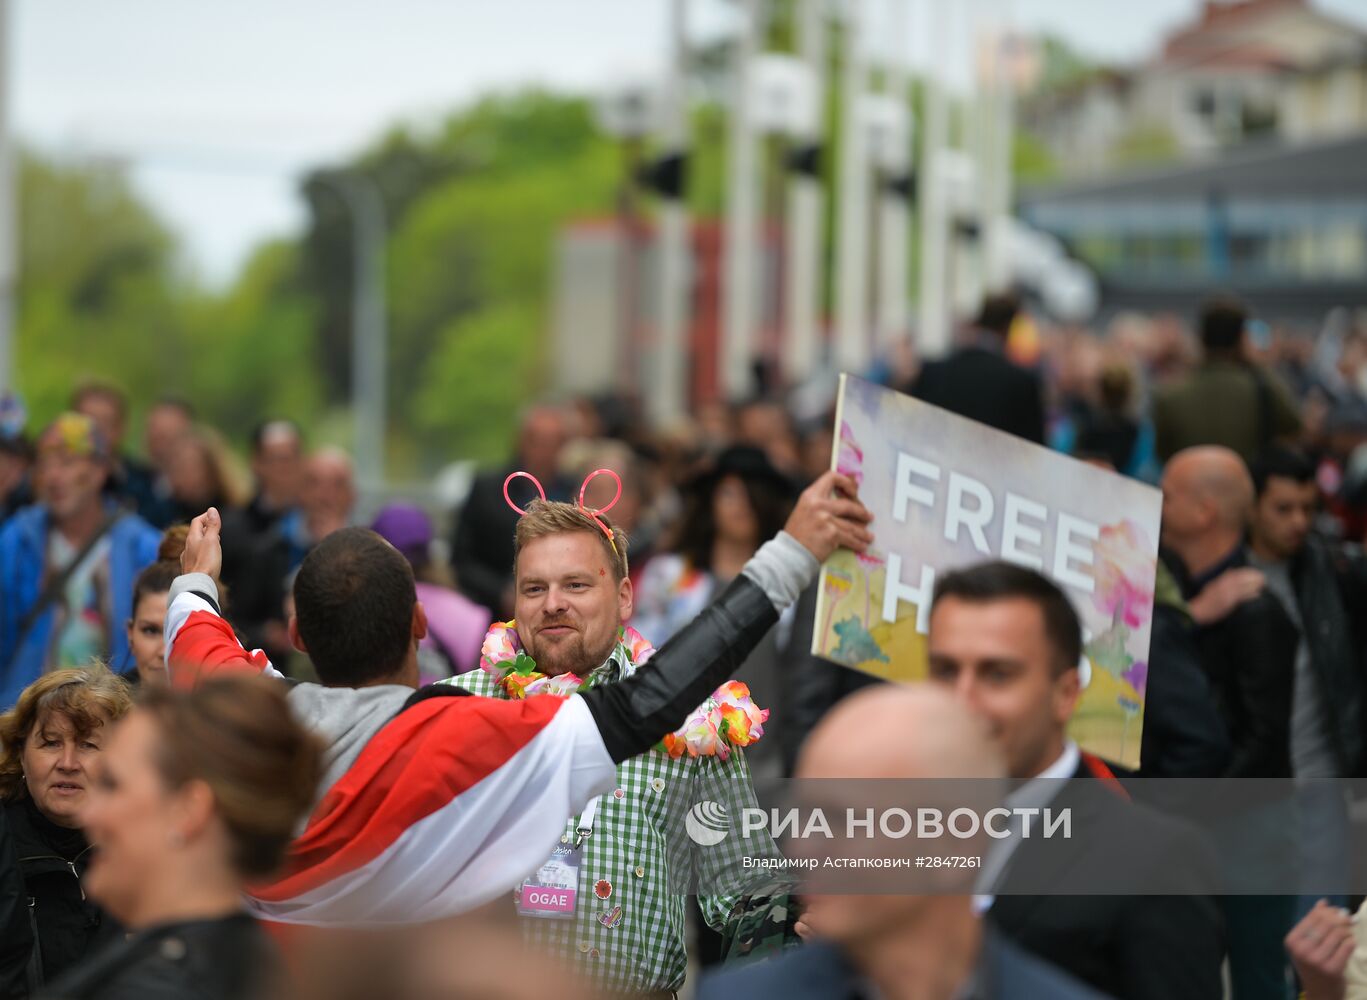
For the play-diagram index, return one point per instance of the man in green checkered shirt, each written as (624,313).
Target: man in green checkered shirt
(626,931)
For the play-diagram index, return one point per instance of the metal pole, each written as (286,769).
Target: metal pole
(742,243)
(369,335)
(991,138)
(852,334)
(894,218)
(372,335)
(803,289)
(1005,143)
(970,262)
(934,305)
(667,384)
(9,222)
(628,265)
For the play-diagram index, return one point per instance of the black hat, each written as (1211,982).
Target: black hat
(746,462)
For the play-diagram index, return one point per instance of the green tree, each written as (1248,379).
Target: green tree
(474,377)
(254,346)
(101,296)
(96,287)
(480,247)
(473,210)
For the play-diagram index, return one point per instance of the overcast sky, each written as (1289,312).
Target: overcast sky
(218,107)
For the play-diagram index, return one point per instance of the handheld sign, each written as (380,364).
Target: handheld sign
(947,492)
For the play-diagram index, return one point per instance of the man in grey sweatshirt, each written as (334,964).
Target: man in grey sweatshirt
(433,803)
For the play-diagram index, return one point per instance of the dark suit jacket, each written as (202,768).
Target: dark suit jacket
(983,385)
(820,972)
(1133,947)
(814,684)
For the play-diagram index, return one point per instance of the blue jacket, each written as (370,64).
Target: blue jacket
(23,552)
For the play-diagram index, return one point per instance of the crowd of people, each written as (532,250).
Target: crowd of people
(251,737)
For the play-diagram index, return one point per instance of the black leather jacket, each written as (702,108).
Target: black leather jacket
(632,715)
(230,958)
(1331,589)
(1251,656)
(16,935)
(65,924)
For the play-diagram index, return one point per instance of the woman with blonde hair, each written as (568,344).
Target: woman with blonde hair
(198,794)
(48,743)
(201,473)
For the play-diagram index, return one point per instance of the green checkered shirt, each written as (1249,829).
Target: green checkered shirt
(638,834)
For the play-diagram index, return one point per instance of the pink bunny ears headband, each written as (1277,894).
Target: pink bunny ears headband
(594,514)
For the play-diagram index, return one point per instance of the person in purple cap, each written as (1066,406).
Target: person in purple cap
(68,562)
(455,624)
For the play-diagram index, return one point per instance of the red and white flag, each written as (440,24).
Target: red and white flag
(448,806)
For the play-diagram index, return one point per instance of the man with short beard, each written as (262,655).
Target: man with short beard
(434,802)
(626,856)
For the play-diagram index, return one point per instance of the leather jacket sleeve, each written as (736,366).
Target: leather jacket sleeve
(633,716)
(1252,654)
(1184,734)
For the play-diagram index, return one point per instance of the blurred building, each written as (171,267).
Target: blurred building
(1244,70)
(1283,226)
(1328,97)
(606,300)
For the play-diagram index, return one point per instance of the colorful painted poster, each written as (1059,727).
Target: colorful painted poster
(947,492)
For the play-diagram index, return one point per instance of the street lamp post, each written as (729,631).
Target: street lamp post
(804,285)
(742,213)
(667,400)
(9,250)
(934,334)
(852,236)
(369,333)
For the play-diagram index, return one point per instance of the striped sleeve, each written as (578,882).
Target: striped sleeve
(449,806)
(199,643)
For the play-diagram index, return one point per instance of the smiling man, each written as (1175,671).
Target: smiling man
(621,859)
(1007,643)
(434,803)
(67,563)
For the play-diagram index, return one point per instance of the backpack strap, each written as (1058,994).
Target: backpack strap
(55,584)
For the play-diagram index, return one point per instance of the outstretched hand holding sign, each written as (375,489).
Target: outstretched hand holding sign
(829,516)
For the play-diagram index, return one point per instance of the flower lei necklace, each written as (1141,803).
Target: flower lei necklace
(729,718)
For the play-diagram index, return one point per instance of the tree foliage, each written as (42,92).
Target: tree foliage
(100,296)
(473,206)
(473,209)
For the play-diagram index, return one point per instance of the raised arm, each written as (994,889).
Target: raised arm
(633,715)
(199,642)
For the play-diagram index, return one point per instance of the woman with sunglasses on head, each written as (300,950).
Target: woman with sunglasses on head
(198,794)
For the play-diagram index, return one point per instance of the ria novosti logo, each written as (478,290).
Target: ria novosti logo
(707,823)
